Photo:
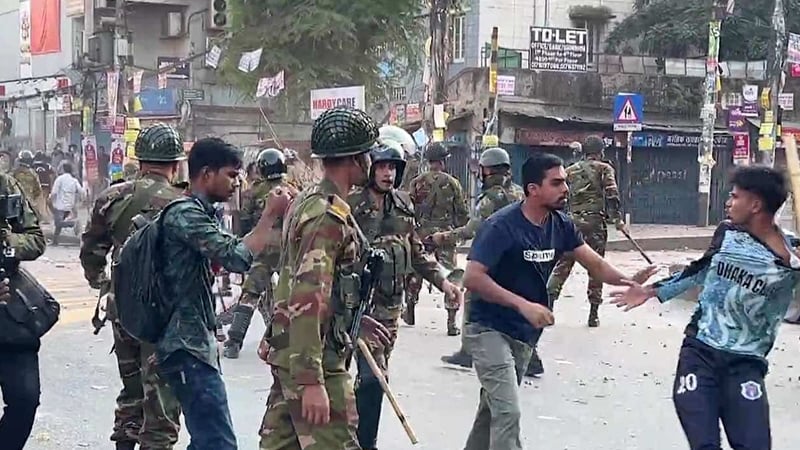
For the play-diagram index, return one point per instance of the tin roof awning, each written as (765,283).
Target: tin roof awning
(536,109)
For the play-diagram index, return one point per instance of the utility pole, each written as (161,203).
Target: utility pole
(438,23)
(775,61)
(708,113)
(121,52)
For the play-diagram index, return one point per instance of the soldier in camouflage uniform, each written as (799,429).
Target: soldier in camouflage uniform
(257,288)
(147,411)
(440,206)
(593,201)
(28,178)
(409,145)
(386,216)
(311,404)
(497,191)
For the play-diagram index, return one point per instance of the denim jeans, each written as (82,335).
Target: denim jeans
(500,363)
(201,393)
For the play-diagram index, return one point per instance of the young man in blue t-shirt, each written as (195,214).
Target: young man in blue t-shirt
(511,259)
(748,276)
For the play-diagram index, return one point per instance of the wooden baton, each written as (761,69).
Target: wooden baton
(793,166)
(385,386)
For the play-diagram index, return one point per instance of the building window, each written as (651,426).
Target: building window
(398,94)
(595,32)
(458,38)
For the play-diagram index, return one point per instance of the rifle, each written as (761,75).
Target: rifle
(374,259)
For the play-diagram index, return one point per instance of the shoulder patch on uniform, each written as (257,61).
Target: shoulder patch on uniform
(338,207)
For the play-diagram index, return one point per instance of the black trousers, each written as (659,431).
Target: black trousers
(19,381)
(713,386)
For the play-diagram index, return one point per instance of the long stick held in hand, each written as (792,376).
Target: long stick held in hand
(365,352)
(637,247)
(793,166)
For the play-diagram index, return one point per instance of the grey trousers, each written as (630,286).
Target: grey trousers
(500,363)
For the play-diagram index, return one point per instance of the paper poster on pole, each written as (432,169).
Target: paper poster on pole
(117,159)
(113,84)
(324,99)
(90,159)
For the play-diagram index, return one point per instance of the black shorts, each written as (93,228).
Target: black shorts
(712,386)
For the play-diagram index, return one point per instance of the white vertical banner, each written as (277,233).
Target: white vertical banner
(25,68)
(137,81)
(112,81)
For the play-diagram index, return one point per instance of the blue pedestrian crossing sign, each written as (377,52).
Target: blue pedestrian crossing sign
(628,112)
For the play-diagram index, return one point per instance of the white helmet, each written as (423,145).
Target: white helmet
(399,135)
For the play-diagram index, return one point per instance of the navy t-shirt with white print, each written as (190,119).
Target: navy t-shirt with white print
(520,256)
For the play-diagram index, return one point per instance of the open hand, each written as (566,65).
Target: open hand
(316,406)
(374,332)
(633,297)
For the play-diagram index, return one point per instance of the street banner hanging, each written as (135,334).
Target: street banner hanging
(25,70)
(270,86)
(45,26)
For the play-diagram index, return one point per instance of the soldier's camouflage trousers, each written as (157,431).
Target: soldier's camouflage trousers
(147,410)
(595,233)
(369,395)
(283,426)
(258,281)
(447,257)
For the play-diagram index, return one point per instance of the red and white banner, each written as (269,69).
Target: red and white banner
(325,99)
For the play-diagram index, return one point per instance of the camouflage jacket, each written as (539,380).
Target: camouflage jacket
(439,202)
(29,180)
(391,227)
(110,223)
(253,203)
(23,234)
(318,285)
(593,190)
(498,191)
(192,241)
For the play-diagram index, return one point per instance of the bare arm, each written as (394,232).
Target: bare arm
(598,267)
(477,279)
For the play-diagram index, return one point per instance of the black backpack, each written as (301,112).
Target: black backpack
(144,307)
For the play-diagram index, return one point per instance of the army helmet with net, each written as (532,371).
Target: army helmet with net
(436,151)
(25,158)
(342,131)
(159,143)
(271,164)
(493,157)
(593,145)
(399,135)
(391,151)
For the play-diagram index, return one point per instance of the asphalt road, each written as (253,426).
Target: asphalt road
(604,389)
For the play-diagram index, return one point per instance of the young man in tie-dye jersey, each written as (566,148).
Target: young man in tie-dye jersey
(748,276)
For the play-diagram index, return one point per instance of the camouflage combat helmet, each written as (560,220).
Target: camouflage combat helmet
(271,164)
(342,131)
(399,135)
(593,145)
(436,151)
(388,150)
(25,158)
(494,156)
(159,143)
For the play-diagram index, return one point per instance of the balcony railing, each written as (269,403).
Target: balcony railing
(608,64)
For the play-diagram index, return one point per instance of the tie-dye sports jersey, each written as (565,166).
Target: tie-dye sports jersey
(746,292)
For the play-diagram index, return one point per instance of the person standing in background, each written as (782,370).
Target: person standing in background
(66,194)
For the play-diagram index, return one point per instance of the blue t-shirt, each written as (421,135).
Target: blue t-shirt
(520,257)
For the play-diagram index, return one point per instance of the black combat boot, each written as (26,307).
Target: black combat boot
(459,358)
(242,315)
(535,367)
(452,328)
(126,445)
(594,319)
